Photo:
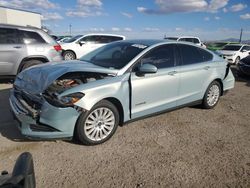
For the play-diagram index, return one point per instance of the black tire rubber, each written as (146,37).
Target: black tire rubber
(237,60)
(79,129)
(205,103)
(31,63)
(69,52)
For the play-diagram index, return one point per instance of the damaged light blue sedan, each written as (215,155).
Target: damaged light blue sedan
(122,81)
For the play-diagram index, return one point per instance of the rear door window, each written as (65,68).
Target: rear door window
(30,37)
(9,36)
(191,54)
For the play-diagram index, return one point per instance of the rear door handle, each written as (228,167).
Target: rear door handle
(17,47)
(172,73)
(207,67)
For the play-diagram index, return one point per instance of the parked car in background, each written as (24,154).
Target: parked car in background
(244,66)
(22,47)
(116,83)
(233,53)
(213,46)
(80,45)
(63,39)
(191,39)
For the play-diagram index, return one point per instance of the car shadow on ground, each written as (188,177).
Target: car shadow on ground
(8,126)
(239,77)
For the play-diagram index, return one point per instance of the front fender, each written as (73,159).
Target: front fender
(113,87)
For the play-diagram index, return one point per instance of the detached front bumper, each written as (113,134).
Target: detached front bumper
(229,81)
(48,122)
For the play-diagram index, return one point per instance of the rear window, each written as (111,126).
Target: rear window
(8,36)
(30,37)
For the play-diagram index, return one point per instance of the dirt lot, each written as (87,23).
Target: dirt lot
(189,147)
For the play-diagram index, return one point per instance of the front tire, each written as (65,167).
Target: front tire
(69,55)
(97,125)
(212,95)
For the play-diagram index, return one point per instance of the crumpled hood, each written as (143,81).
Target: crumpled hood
(36,79)
(226,52)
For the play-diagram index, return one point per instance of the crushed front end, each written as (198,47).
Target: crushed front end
(39,119)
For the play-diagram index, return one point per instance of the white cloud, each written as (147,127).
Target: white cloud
(151,29)
(115,29)
(217,18)
(127,14)
(206,19)
(224,10)
(86,8)
(245,16)
(178,29)
(89,3)
(128,29)
(83,13)
(238,7)
(96,29)
(51,16)
(29,4)
(170,6)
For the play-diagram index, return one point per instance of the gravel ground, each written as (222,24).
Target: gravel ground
(190,147)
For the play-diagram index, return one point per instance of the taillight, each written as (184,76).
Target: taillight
(58,47)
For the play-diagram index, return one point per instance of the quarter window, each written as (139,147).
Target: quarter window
(161,57)
(191,54)
(8,36)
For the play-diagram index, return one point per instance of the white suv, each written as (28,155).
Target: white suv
(233,53)
(194,40)
(80,45)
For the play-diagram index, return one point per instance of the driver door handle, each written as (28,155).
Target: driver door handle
(17,47)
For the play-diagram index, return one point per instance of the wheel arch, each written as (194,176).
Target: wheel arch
(69,50)
(39,58)
(119,107)
(221,85)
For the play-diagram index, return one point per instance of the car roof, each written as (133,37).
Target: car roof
(181,37)
(146,42)
(20,27)
(104,34)
(237,44)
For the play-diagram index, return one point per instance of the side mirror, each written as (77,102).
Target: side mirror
(244,50)
(147,69)
(23,174)
(80,43)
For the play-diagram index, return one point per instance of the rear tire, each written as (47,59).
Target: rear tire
(30,63)
(212,95)
(69,55)
(97,125)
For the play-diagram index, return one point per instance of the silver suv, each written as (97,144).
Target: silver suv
(22,47)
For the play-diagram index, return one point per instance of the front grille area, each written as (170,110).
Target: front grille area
(28,102)
(42,128)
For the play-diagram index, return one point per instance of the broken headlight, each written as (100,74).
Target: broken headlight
(70,99)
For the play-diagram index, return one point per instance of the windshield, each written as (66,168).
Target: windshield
(73,39)
(115,55)
(232,47)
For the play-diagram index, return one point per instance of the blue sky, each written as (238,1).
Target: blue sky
(208,19)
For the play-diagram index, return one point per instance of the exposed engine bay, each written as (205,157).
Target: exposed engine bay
(70,80)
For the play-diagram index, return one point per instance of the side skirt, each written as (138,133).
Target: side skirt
(164,111)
